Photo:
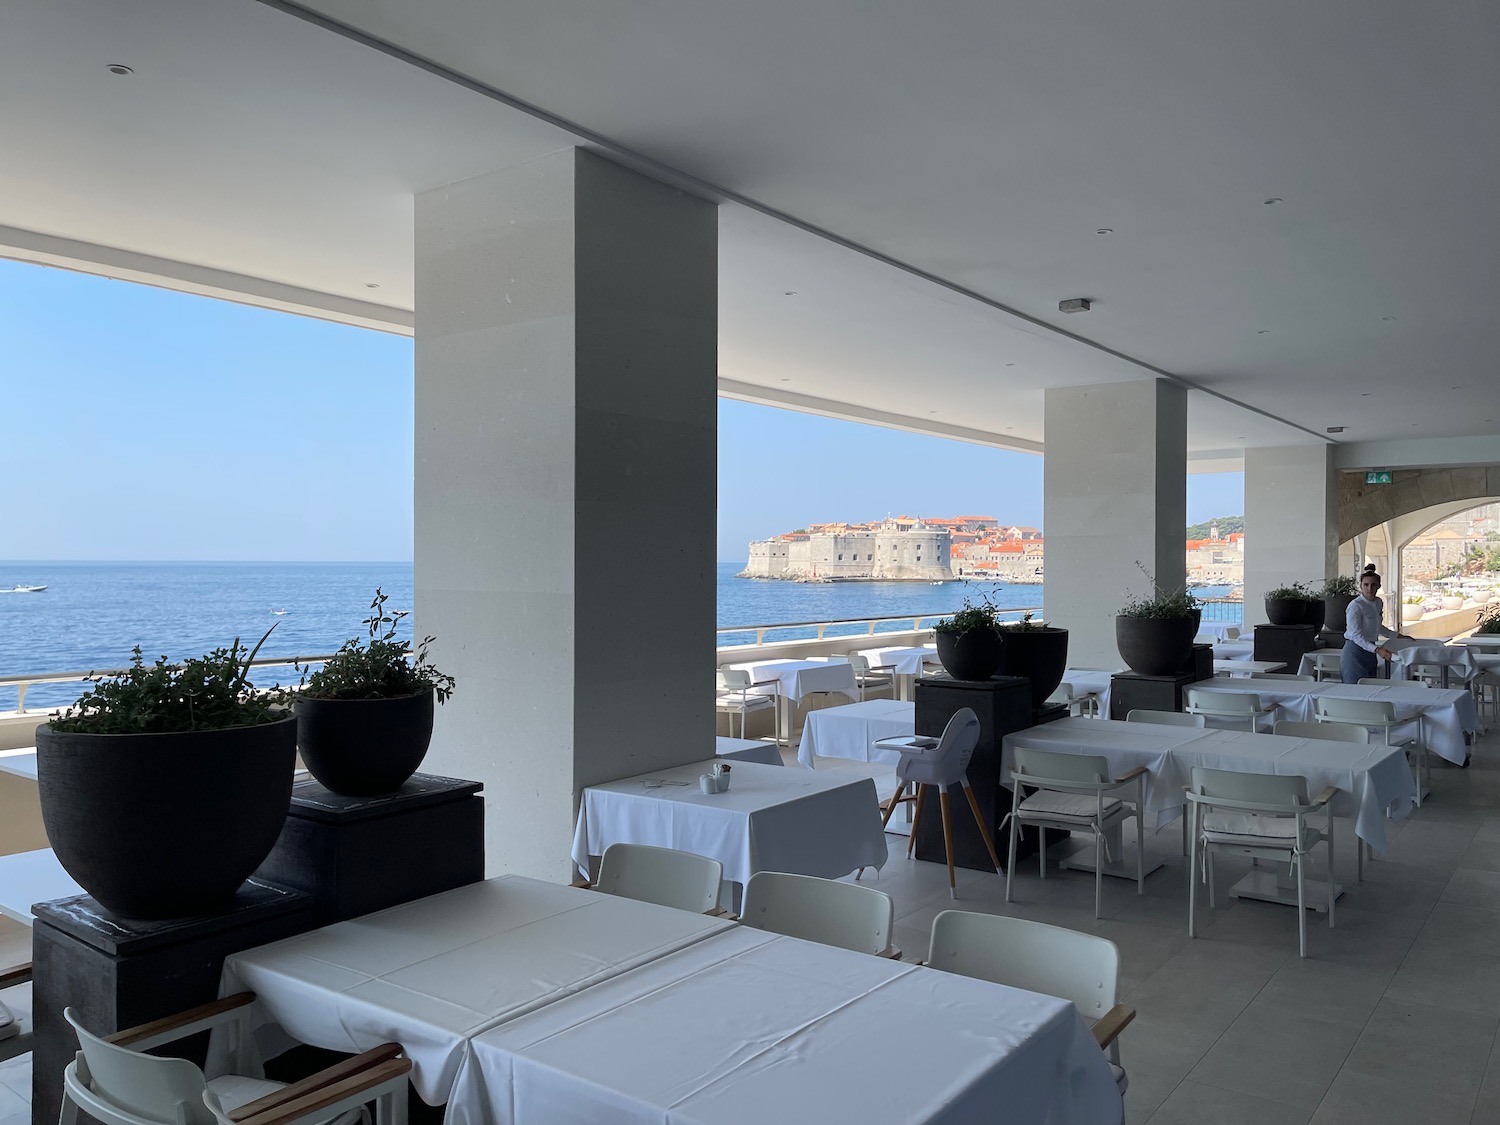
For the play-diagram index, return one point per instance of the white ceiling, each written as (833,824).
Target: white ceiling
(978,145)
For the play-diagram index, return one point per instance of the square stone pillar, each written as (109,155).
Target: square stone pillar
(566,430)
(1291,520)
(1115,484)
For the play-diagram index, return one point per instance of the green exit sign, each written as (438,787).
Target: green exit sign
(1382,477)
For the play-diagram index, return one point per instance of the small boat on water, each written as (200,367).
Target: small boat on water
(278,613)
(24,590)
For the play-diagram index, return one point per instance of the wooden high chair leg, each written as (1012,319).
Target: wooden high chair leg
(984,832)
(916,819)
(895,800)
(948,839)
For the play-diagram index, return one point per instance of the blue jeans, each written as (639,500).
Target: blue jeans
(1355,663)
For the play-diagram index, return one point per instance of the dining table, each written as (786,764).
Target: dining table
(1371,779)
(1234,650)
(903,662)
(807,822)
(791,680)
(851,731)
(747,750)
(1440,716)
(749,1027)
(1454,662)
(433,973)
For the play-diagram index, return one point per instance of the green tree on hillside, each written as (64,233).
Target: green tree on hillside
(1227,525)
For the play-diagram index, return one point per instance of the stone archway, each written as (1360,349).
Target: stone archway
(1363,506)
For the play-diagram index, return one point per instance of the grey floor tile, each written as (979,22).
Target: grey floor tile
(1481,855)
(1303,1054)
(1489,831)
(1317,989)
(1439,1052)
(1469,887)
(1192,1103)
(1367,939)
(1473,988)
(1453,937)
(1363,1099)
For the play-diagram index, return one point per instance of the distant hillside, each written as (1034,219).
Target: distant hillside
(1227,525)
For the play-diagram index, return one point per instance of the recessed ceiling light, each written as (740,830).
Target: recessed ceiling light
(372,285)
(1010,365)
(932,412)
(1335,429)
(789,293)
(1105,230)
(1274,200)
(1262,331)
(1387,318)
(1365,394)
(786,380)
(1455,388)
(119,69)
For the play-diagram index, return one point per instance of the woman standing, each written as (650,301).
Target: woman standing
(1364,626)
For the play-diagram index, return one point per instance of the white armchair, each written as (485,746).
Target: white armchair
(1229,706)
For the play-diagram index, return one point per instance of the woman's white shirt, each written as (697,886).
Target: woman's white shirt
(1363,624)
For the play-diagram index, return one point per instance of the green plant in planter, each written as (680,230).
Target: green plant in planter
(1341,585)
(1025,625)
(978,612)
(211,692)
(1160,604)
(1489,621)
(1297,592)
(1413,599)
(382,668)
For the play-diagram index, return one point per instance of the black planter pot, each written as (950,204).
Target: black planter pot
(158,826)
(1155,646)
(1285,611)
(1335,611)
(364,747)
(1041,655)
(974,655)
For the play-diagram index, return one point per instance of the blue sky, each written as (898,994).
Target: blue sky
(148,424)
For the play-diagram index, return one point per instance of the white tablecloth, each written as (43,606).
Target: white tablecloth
(1218,630)
(802,677)
(1248,667)
(21,762)
(32,877)
(906,661)
(771,819)
(848,732)
(1447,713)
(1480,641)
(1370,778)
(750,1028)
(1091,680)
(747,750)
(433,973)
(1234,650)
(1406,652)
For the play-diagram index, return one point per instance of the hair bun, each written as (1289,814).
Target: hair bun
(1369,568)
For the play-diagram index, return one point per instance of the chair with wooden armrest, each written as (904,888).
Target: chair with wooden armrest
(1263,816)
(1083,968)
(822,910)
(15,1011)
(114,1081)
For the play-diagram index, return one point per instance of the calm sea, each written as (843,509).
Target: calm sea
(92,614)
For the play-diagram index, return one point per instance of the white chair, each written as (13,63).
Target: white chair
(1080,704)
(1076,791)
(1231,633)
(1329,732)
(1385,681)
(864,677)
(736,696)
(1164,718)
(1286,677)
(114,1081)
(822,910)
(944,765)
(1037,957)
(1373,715)
(667,877)
(1230,706)
(1263,816)
(1327,665)
(15,1011)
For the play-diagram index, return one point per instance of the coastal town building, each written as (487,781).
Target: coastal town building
(894,549)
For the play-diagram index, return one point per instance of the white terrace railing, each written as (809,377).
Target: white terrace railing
(1214,609)
(21,682)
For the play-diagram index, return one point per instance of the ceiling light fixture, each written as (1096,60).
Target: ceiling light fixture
(1262,331)
(1074,305)
(1105,230)
(1335,429)
(372,285)
(1275,199)
(119,69)
(1010,365)
(789,293)
(1387,318)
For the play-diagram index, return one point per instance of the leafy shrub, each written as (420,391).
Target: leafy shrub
(379,669)
(1489,620)
(979,612)
(209,693)
(1340,585)
(1297,591)
(1164,604)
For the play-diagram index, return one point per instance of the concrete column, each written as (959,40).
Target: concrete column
(566,429)
(1115,482)
(1291,520)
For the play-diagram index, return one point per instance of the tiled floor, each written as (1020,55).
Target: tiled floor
(1391,1018)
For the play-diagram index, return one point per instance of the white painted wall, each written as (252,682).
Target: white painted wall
(565,396)
(1115,483)
(1291,520)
